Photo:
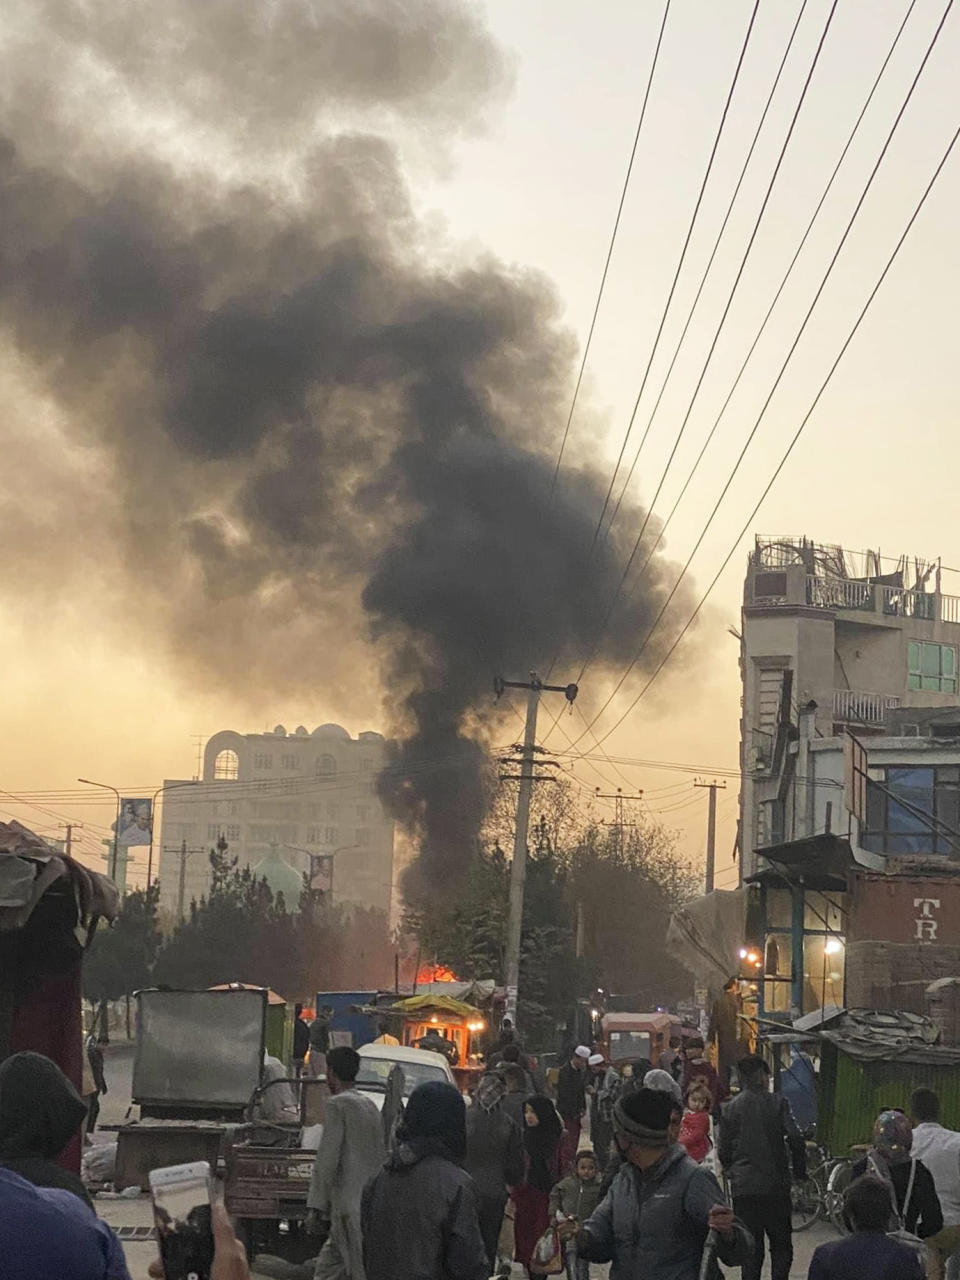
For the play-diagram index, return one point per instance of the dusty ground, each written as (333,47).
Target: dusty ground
(130,1213)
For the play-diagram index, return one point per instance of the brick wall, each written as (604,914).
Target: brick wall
(895,975)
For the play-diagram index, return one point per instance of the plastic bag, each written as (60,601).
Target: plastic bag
(547,1257)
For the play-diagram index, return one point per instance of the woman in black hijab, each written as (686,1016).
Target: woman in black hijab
(40,1111)
(542,1131)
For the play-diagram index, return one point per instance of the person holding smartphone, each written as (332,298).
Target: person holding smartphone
(229,1255)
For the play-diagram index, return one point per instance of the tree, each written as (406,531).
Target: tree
(121,959)
(242,932)
(627,885)
(624,886)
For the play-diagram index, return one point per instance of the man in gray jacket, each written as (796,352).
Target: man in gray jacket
(655,1220)
(351,1151)
(756,1129)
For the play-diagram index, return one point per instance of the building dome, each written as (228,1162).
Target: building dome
(280,731)
(331,731)
(281,878)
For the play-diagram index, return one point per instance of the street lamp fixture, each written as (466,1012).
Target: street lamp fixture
(105,786)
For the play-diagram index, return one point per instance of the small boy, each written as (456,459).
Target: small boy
(576,1197)
(869,1253)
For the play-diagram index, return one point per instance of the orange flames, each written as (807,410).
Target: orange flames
(435,973)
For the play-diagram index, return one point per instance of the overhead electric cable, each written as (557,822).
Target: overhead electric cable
(613,241)
(683,255)
(710,261)
(776,298)
(713,345)
(786,455)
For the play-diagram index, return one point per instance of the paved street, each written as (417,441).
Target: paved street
(132,1213)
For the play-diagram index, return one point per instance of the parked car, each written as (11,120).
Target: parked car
(418,1066)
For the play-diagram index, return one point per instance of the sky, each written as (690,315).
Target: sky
(533,179)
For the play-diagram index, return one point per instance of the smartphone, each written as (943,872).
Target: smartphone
(181,1211)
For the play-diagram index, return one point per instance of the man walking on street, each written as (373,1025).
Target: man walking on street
(572,1103)
(939,1149)
(755,1129)
(654,1221)
(351,1151)
(494,1157)
(301,1039)
(320,1040)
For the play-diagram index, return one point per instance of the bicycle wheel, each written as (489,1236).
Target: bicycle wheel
(806,1203)
(838,1180)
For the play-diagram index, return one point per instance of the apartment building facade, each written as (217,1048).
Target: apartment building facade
(308,798)
(850,751)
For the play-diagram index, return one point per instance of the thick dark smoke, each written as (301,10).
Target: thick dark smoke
(208,259)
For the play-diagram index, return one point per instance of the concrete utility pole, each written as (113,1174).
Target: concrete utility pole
(618,823)
(526,778)
(184,853)
(712,787)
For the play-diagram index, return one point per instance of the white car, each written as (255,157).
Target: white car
(418,1065)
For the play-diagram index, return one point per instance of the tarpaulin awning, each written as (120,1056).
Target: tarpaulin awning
(870,1035)
(28,869)
(413,1005)
(707,935)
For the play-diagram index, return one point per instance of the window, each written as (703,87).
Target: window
(363,836)
(326,766)
(363,812)
(233,832)
(263,760)
(213,831)
(333,810)
(931,666)
(226,766)
(912,809)
(366,764)
(289,762)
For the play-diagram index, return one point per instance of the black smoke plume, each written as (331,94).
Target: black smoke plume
(209,261)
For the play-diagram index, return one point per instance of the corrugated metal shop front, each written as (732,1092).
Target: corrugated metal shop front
(854,1091)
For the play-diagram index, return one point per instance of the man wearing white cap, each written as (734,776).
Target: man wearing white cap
(601,1131)
(572,1103)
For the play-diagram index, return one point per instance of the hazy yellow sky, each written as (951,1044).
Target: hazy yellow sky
(538,187)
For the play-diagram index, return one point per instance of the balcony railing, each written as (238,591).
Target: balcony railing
(891,602)
(854,707)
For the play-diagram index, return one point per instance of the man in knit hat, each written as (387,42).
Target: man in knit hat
(655,1219)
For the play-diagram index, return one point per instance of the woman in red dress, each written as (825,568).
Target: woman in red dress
(542,1131)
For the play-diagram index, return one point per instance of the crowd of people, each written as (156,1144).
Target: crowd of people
(446,1191)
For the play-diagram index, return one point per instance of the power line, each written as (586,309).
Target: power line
(713,345)
(797,434)
(613,240)
(783,369)
(683,255)
(776,298)
(710,261)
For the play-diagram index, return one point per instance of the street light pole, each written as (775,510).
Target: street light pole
(105,786)
(173,786)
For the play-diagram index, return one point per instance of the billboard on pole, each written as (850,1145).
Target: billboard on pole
(136,822)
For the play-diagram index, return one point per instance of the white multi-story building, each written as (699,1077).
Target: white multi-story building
(307,798)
